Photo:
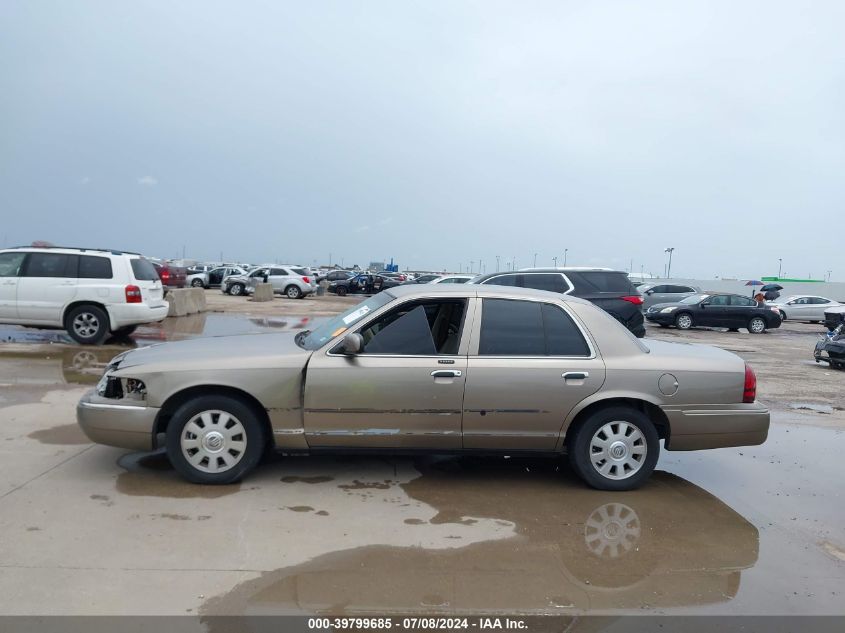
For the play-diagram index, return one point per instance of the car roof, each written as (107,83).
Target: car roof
(66,250)
(508,292)
(552,269)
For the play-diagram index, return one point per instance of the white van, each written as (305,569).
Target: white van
(88,292)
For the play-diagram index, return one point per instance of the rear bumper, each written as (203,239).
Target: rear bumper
(116,423)
(693,427)
(123,314)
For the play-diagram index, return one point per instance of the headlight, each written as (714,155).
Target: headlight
(668,310)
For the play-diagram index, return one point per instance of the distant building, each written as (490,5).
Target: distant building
(376,266)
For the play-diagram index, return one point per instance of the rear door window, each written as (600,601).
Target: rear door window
(300,271)
(279,272)
(601,281)
(511,328)
(91,267)
(552,282)
(49,265)
(503,280)
(736,300)
(143,270)
(719,300)
(563,338)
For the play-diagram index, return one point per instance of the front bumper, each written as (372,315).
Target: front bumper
(657,317)
(693,427)
(122,423)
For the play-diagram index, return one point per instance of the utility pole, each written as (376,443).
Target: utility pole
(535,260)
(514,263)
(471,262)
(780,266)
(828,274)
(565,251)
(497,263)
(554,259)
(670,250)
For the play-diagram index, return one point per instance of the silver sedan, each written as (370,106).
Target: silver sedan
(431,368)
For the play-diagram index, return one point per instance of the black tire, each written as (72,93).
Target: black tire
(87,324)
(341,291)
(125,331)
(757,325)
(683,321)
(293,292)
(247,459)
(197,283)
(236,290)
(782,315)
(580,450)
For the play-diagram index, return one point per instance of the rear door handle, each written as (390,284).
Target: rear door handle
(575,375)
(446,373)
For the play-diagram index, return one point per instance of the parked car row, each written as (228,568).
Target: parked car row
(293,282)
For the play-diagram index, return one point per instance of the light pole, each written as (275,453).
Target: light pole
(554,259)
(565,251)
(497,263)
(535,260)
(471,262)
(780,265)
(670,250)
(828,274)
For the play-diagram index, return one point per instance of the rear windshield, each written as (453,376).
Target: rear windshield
(601,281)
(144,270)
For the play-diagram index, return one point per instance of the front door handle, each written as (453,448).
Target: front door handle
(575,375)
(446,373)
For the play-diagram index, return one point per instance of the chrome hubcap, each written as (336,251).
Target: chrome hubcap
(684,321)
(213,441)
(618,450)
(757,326)
(236,290)
(86,325)
(293,293)
(612,530)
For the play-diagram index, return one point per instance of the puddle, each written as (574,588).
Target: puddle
(57,366)
(151,475)
(317,479)
(668,544)
(809,406)
(216,324)
(64,434)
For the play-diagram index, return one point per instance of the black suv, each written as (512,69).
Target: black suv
(611,290)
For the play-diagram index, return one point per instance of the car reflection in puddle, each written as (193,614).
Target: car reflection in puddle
(669,544)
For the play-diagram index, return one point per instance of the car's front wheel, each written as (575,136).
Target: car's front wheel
(683,321)
(215,439)
(197,283)
(87,324)
(341,291)
(757,325)
(615,448)
(236,289)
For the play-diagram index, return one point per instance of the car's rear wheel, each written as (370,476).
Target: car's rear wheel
(236,289)
(87,324)
(683,321)
(215,440)
(341,291)
(197,283)
(615,449)
(782,315)
(757,325)
(293,292)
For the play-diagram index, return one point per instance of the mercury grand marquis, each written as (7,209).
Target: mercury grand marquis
(433,368)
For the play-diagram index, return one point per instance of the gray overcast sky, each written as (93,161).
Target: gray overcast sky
(433,132)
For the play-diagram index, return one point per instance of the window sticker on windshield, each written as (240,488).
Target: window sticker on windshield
(338,332)
(354,316)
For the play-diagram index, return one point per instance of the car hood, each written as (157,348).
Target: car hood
(245,351)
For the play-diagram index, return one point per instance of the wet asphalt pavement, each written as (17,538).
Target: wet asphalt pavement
(94,530)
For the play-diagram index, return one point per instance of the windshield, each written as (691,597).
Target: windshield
(694,299)
(342,322)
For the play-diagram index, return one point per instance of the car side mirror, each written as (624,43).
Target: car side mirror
(649,292)
(705,304)
(352,344)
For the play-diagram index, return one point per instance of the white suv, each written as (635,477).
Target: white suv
(88,292)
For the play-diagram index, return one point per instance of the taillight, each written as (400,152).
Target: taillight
(165,275)
(306,280)
(133,294)
(749,392)
(637,300)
